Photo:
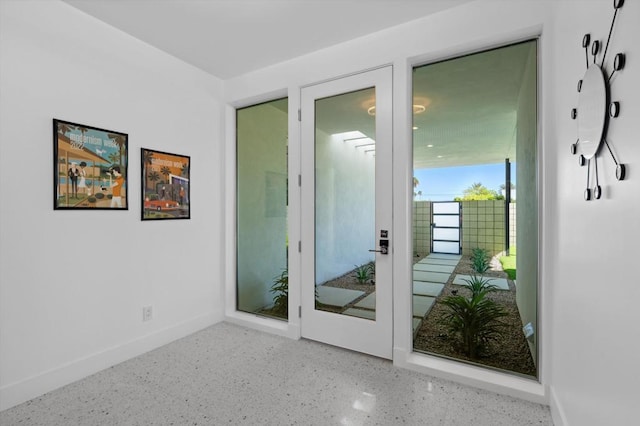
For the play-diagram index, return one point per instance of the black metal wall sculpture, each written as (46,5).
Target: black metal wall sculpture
(595,109)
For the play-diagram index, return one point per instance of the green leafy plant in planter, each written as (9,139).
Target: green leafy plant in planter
(480,260)
(280,288)
(364,273)
(475,319)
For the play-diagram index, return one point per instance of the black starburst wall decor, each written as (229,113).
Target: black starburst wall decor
(595,109)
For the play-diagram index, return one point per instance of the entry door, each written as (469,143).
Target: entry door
(347,240)
(445,226)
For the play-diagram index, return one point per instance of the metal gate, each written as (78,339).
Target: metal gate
(446,227)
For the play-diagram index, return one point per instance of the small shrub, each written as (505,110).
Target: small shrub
(364,272)
(99,195)
(281,289)
(92,199)
(480,260)
(474,319)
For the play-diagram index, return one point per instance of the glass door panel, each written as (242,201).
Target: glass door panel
(345,205)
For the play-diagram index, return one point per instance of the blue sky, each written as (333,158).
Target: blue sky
(445,183)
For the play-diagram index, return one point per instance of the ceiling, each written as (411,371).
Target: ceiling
(470,102)
(228,38)
(471,107)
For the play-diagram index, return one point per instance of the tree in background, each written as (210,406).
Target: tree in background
(416,182)
(478,192)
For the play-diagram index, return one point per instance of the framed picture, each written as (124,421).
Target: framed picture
(165,185)
(89,167)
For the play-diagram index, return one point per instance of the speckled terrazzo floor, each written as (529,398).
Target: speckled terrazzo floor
(230,375)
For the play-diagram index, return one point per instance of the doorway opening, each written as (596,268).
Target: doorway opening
(474,143)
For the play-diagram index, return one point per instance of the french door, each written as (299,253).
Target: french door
(347,240)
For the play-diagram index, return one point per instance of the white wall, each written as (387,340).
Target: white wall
(345,207)
(593,287)
(73,283)
(587,284)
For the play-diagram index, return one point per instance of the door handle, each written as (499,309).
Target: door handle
(384,247)
(383,250)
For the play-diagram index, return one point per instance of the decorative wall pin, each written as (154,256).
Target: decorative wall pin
(595,108)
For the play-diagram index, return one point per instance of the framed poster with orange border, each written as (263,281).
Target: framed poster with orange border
(89,167)
(166,185)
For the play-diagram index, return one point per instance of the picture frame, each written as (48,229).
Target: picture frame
(90,167)
(166,185)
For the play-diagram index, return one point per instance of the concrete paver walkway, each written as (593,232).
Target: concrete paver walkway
(501,283)
(429,277)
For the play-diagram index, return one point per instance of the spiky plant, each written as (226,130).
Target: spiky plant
(475,319)
(281,298)
(480,260)
(364,273)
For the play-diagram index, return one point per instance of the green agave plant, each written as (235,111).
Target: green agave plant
(475,319)
(480,260)
(364,273)
(281,289)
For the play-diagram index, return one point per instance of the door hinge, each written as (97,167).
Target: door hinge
(299,246)
(299,114)
(300,181)
(299,311)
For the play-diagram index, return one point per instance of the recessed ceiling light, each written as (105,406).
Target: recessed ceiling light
(430,146)
(417,109)
(415,127)
(439,156)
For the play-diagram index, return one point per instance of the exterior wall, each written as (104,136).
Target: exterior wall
(513,232)
(345,202)
(527,213)
(483,226)
(421,228)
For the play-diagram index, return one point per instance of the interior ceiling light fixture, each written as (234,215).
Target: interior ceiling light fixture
(417,109)
(595,109)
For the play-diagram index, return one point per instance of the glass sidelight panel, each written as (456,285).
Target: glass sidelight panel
(262,243)
(475,118)
(345,150)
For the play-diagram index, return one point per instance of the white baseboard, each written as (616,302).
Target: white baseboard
(267,325)
(557,413)
(32,387)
